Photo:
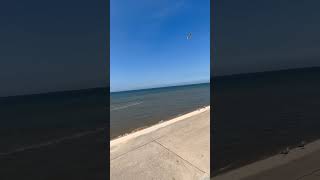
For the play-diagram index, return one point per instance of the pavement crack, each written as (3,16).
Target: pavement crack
(130,151)
(178,156)
(135,148)
(309,174)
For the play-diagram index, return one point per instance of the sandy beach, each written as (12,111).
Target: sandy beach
(175,149)
(301,163)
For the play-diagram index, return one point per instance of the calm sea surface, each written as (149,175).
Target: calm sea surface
(258,115)
(33,135)
(141,108)
(39,118)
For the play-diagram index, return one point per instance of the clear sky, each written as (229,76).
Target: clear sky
(148,46)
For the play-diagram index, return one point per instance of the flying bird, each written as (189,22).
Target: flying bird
(189,36)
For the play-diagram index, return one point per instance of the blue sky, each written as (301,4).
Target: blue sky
(148,45)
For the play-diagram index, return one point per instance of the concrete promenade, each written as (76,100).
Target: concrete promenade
(178,149)
(299,164)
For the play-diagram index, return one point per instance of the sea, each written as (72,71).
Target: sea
(54,135)
(132,110)
(258,115)
(254,116)
(57,135)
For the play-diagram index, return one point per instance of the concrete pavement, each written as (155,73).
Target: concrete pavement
(298,164)
(178,149)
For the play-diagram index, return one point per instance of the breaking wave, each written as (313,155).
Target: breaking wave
(125,106)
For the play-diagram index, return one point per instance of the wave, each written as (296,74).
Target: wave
(125,106)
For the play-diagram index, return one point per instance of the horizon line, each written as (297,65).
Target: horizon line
(207,81)
(156,87)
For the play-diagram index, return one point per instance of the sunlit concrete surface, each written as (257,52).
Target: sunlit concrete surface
(177,149)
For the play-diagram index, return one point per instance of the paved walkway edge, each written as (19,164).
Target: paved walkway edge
(273,162)
(156,127)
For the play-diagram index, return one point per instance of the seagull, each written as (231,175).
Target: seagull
(189,36)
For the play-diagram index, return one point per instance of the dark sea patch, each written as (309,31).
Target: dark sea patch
(33,119)
(46,136)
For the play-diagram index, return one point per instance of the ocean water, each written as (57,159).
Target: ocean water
(32,119)
(132,110)
(258,115)
(49,136)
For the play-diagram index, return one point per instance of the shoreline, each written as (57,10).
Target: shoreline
(178,148)
(163,123)
(271,163)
